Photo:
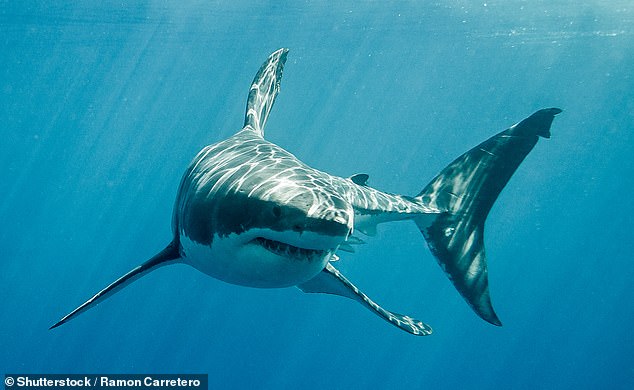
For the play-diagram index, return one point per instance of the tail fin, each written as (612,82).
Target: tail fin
(467,189)
(166,256)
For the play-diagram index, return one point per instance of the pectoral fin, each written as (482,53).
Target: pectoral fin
(331,281)
(167,256)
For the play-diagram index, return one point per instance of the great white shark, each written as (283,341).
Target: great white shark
(250,213)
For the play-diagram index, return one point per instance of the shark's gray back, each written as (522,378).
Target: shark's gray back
(249,169)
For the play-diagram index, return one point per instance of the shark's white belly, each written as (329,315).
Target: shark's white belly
(252,264)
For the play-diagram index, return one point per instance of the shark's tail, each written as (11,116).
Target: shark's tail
(466,189)
(167,256)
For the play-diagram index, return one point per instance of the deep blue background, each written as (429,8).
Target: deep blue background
(102,107)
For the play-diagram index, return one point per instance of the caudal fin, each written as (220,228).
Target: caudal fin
(467,189)
(166,256)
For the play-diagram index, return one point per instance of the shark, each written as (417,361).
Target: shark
(250,213)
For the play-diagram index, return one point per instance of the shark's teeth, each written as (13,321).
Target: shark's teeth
(287,250)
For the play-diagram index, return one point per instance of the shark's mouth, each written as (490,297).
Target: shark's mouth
(287,250)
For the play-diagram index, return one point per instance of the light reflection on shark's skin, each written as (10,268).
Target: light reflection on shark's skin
(250,213)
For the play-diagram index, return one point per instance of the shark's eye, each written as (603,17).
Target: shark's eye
(277,211)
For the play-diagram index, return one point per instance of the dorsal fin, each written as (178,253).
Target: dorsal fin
(264,89)
(360,179)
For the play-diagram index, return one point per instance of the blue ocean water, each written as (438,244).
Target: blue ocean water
(103,105)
